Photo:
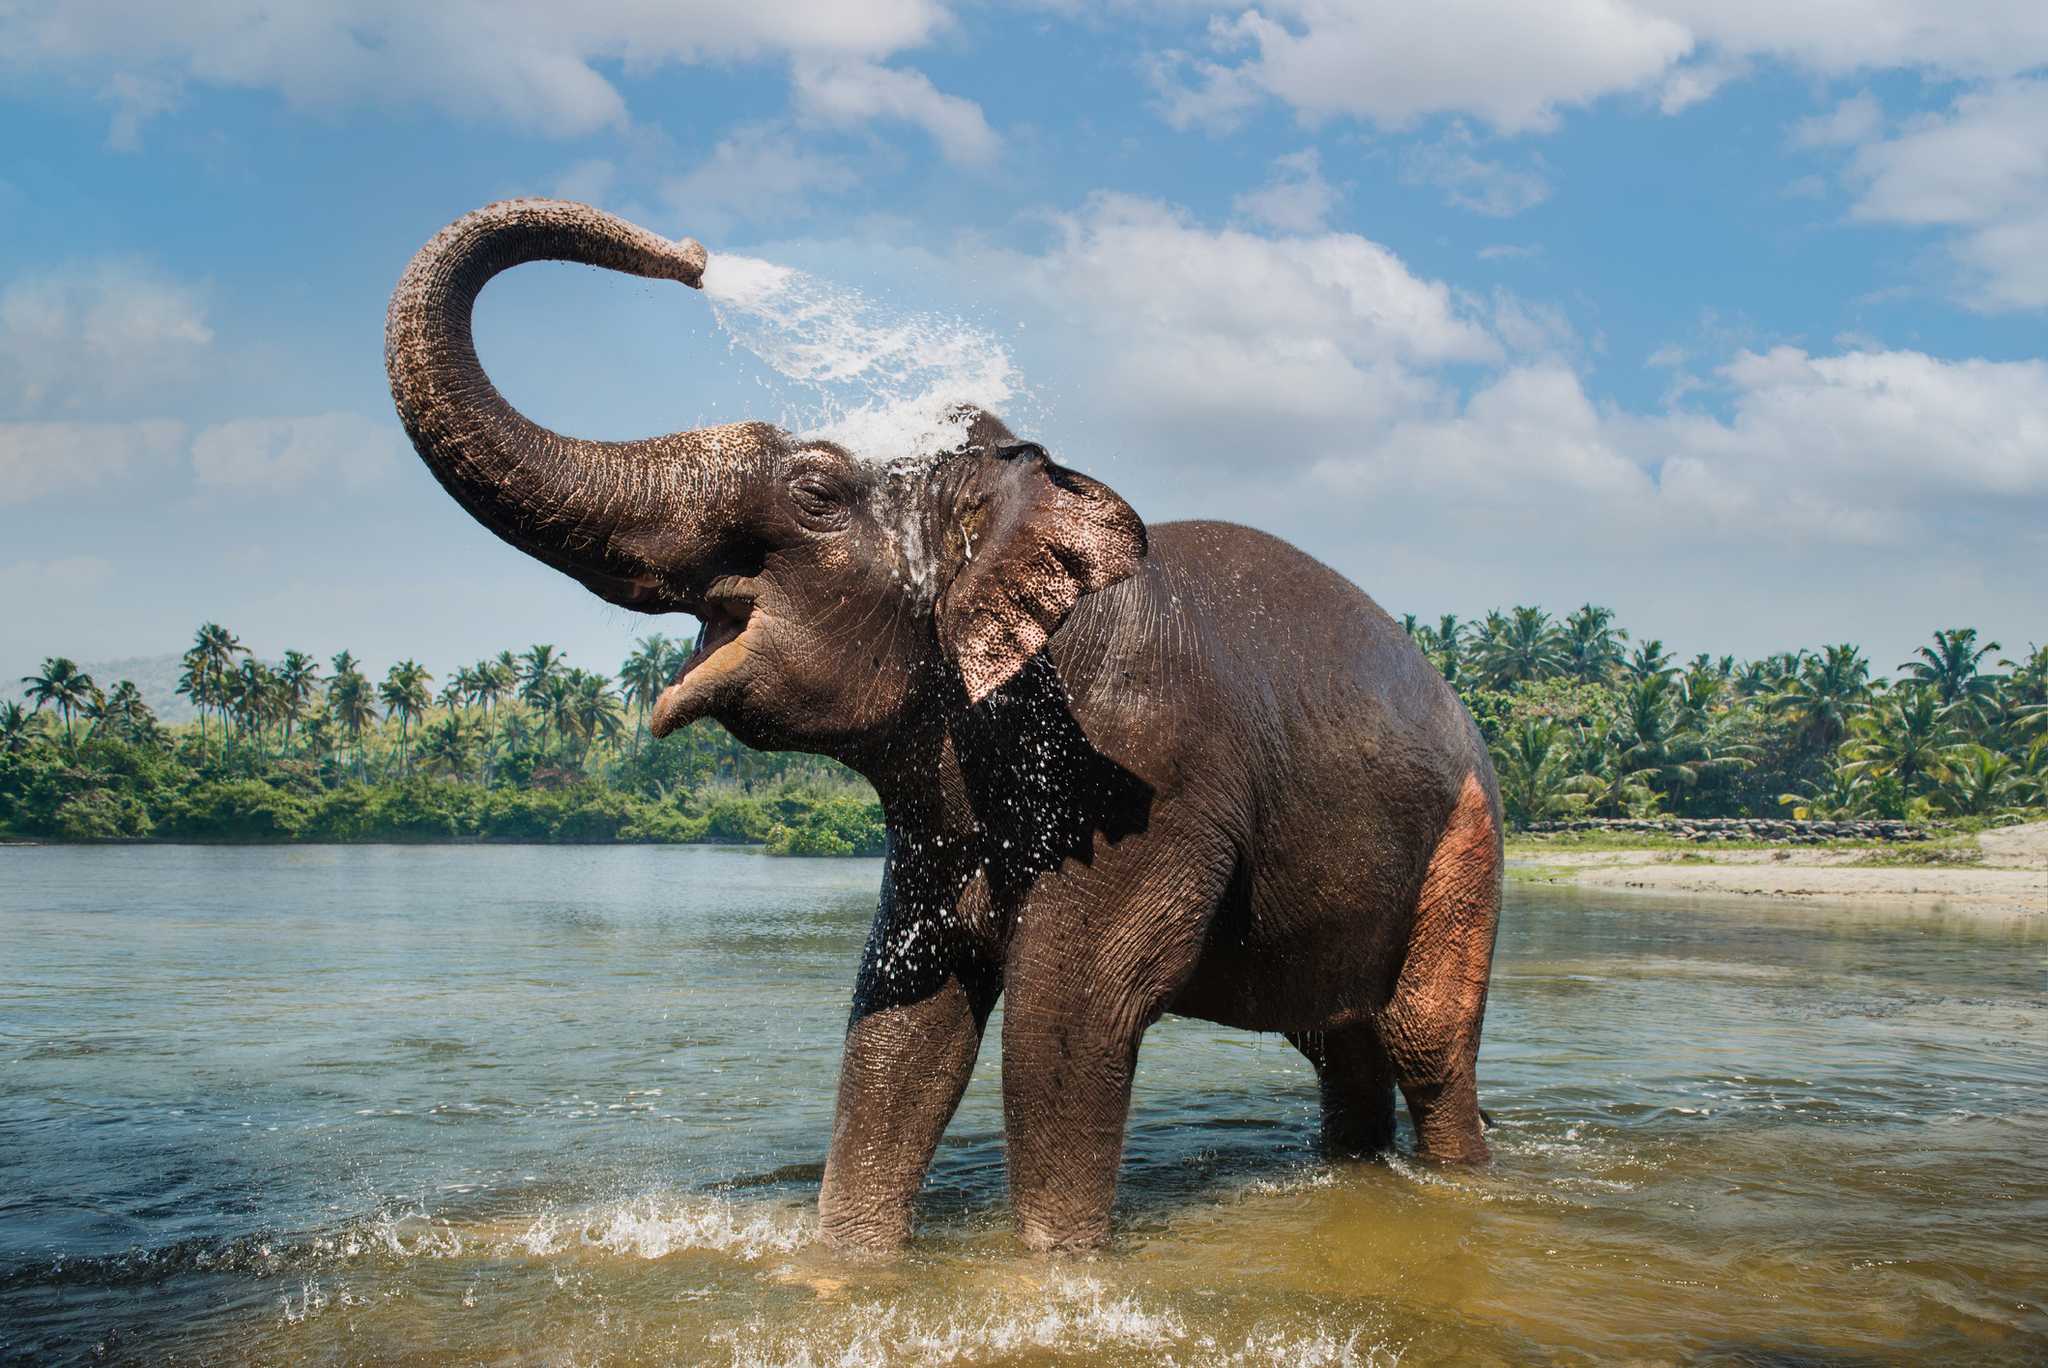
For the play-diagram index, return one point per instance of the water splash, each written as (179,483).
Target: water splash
(1070,1317)
(655,1225)
(882,381)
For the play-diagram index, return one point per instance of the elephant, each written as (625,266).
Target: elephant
(1125,770)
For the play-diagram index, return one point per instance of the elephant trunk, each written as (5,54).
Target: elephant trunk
(616,515)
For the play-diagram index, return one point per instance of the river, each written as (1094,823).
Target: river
(569,1104)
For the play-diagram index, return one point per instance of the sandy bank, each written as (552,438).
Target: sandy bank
(2011,875)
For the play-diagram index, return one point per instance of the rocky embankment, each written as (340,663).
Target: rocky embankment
(1788,831)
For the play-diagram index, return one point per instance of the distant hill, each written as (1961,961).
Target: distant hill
(156,679)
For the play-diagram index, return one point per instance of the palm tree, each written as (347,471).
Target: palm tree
(504,667)
(316,733)
(2030,784)
(1841,795)
(1699,689)
(1977,780)
(1522,647)
(1444,644)
(19,727)
(1591,643)
(1827,691)
(539,668)
(1952,665)
(1908,736)
(193,682)
(1656,742)
(2028,682)
(447,746)
(459,689)
(514,736)
(595,705)
(1650,660)
(1533,767)
(298,679)
(122,712)
(62,685)
(256,697)
(557,712)
(642,675)
(212,658)
(350,702)
(1751,678)
(406,694)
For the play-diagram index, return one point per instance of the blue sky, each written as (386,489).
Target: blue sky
(1731,315)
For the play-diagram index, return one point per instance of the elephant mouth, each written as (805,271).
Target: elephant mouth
(715,667)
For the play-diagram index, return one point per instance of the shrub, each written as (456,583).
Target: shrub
(807,840)
(830,826)
(237,810)
(663,824)
(737,821)
(101,815)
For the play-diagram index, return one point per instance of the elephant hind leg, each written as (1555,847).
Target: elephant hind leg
(1357,1082)
(1431,1026)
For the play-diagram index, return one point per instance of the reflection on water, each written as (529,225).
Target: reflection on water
(568,1105)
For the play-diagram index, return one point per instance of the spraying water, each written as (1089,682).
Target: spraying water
(882,381)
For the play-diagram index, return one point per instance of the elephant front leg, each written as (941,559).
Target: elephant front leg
(905,1067)
(1066,1095)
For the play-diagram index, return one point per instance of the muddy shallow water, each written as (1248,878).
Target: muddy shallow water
(545,1105)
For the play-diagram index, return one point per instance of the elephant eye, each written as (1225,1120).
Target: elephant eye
(817,498)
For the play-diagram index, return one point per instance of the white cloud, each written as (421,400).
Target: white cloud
(1515,66)
(1511,65)
(758,173)
(1296,200)
(1854,448)
(1856,119)
(1232,337)
(136,100)
(859,92)
(1313,383)
(81,336)
(1839,37)
(1980,168)
(529,63)
(277,454)
(1471,182)
(41,459)
(1891,424)
(1695,82)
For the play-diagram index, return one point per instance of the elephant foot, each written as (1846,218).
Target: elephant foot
(1048,1235)
(1061,1244)
(871,1233)
(1447,1123)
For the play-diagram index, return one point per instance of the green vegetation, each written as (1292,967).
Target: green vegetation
(1579,725)
(527,747)
(517,748)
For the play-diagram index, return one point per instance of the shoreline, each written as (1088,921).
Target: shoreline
(2001,873)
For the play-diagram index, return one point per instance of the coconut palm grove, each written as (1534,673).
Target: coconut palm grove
(1582,720)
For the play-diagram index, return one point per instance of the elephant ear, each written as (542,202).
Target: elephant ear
(1029,538)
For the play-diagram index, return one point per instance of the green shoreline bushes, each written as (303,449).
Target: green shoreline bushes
(526,747)
(522,747)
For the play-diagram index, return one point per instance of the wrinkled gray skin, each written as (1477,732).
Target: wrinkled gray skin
(1124,773)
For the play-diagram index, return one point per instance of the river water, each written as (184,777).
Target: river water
(540,1105)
